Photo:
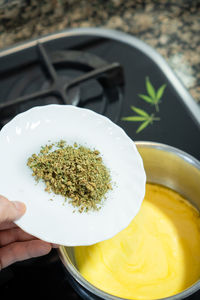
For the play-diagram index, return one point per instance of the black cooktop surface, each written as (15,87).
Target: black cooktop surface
(112,74)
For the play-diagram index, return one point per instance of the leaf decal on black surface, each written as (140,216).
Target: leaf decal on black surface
(139,111)
(153,98)
(159,95)
(142,116)
(146,98)
(150,89)
(160,92)
(143,126)
(134,118)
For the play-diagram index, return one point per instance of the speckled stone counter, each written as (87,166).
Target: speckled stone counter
(172,27)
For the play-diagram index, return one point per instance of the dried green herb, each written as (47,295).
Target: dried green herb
(75,172)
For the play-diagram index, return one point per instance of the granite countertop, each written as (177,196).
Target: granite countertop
(172,27)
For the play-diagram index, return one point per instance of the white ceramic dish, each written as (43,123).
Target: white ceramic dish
(51,220)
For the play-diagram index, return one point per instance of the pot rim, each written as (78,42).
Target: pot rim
(164,147)
(94,290)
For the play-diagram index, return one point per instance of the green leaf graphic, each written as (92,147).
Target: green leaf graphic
(150,89)
(146,98)
(157,107)
(143,126)
(153,98)
(142,116)
(139,111)
(160,92)
(134,118)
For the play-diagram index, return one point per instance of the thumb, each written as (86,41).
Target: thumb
(10,210)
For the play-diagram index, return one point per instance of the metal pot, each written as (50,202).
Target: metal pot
(164,165)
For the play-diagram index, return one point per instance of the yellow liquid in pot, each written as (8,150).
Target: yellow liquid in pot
(156,256)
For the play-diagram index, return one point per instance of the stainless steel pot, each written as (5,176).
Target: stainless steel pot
(164,165)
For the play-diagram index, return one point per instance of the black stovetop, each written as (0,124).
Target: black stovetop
(112,76)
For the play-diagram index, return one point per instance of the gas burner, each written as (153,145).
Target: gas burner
(67,77)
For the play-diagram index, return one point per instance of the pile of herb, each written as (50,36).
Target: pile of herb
(75,172)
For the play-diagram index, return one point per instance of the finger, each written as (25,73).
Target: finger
(55,245)
(7,225)
(21,251)
(10,210)
(14,235)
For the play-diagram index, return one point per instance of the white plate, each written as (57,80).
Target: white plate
(52,221)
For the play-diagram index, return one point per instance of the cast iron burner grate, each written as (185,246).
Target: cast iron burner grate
(67,77)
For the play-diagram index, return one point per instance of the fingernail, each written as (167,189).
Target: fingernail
(55,245)
(20,206)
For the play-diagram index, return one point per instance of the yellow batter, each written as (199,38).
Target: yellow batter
(156,256)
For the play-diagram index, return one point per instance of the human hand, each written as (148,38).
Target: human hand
(15,244)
